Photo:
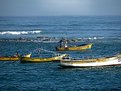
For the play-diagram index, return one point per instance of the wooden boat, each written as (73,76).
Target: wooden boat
(9,58)
(104,61)
(75,48)
(37,60)
(13,58)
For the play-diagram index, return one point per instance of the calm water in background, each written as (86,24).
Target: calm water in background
(103,32)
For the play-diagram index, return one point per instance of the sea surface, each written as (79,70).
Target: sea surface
(103,31)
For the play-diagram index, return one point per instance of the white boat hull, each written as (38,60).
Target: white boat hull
(114,61)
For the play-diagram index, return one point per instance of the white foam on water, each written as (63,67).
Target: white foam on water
(94,38)
(20,32)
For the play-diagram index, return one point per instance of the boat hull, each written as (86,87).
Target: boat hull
(75,48)
(112,61)
(9,58)
(38,60)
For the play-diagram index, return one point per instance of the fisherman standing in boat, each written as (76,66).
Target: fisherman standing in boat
(17,55)
(64,43)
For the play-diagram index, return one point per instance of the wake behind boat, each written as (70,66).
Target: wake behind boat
(104,61)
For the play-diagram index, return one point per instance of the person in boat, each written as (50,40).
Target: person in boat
(17,55)
(64,43)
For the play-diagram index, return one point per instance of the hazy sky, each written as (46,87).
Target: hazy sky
(59,7)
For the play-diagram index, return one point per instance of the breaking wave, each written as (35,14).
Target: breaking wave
(19,32)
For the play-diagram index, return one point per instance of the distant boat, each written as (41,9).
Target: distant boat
(104,61)
(75,48)
(64,46)
(38,60)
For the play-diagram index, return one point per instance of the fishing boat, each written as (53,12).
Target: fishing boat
(64,46)
(38,60)
(75,48)
(13,58)
(104,61)
(10,58)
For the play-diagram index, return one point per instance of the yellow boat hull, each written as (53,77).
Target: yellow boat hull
(38,60)
(75,48)
(9,58)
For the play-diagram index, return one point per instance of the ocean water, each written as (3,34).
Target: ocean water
(103,31)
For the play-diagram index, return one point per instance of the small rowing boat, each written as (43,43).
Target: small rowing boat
(38,60)
(64,46)
(104,61)
(10,58)
(75,48)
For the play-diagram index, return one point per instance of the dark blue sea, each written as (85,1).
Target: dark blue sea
(103,31)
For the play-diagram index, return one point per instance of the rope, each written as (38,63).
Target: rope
(38,49)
